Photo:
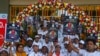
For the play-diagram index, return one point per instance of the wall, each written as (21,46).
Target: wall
(76,2)
(4,6)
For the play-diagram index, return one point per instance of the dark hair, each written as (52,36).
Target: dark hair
(57,46)
(5,52)
(46,49)
(92,40)
(18,46)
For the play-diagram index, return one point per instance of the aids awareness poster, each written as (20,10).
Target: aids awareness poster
(3,23)
(12,32)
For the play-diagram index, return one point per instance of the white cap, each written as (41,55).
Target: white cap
(82,42)
(34,43)
(76,36)
(29,39)
(3,49)
(37,36)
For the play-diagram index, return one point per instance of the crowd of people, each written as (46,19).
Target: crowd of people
(53,38)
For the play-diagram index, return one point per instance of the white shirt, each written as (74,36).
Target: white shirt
(28,49)
(63,49)
(35,54)
(45,23)
(44,54)
(72,53)
(60,36)
(39,31)
(41,40)
(39,43)
(48,45)
(86,53)
(42,32)
(76,45)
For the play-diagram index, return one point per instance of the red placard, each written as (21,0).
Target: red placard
(3,22)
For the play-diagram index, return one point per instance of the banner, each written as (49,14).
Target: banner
(13,31)
(3,23)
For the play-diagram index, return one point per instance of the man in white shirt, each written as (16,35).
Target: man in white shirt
(47,42)
(90,49)
(37,38)
(76,42)
(81,44)
(35,50)
(60,33)
(43,31)
(28,48)
(69,51)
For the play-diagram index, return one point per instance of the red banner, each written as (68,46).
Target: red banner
(3,22)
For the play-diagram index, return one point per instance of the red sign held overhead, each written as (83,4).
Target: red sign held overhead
(3,22)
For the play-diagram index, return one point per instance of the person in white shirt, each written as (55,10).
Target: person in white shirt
(81,44)
(69,51)
(36,40)
(44,31)
(76,42)
(45,23)
(65,39)
(28,47)
(35,50)
(90,49)
(60,32)
(12,47)
(41,38)
(64,46)
(47,42)
(57,51)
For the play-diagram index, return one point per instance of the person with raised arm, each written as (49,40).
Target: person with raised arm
(90,48)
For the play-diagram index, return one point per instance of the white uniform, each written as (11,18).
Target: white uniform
(60,34)
(48,45)
(45,23)
(72,53)
(39,44)
(42,32)
(44,54)
(35,54)
(76,45)
(86,53)
(28,49)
